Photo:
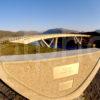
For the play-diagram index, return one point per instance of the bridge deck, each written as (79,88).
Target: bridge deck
(29,39)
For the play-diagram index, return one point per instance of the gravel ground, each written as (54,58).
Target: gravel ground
(6,93)
(93,90)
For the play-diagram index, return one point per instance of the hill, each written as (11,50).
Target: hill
(7,34)
(59,30)
(94,33)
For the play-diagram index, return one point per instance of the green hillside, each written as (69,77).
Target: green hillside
(18,49)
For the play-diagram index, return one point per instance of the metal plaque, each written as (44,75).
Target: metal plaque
(66,70)
(65,85)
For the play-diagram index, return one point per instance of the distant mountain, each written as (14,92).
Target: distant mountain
(59,30)
(94,33)
(28,32)
(7,34)
(98,31)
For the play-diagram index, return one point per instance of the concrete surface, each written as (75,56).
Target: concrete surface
(33,77)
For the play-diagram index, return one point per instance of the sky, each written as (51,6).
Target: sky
(40,15)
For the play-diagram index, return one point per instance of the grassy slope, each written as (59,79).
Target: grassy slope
(17,49)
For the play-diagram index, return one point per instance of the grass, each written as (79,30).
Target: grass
(8,48)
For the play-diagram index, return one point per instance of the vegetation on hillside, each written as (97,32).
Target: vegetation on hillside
(18,49)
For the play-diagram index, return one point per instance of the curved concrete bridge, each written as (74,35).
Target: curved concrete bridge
(29,39)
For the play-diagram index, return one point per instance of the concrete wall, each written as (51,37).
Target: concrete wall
(49,78)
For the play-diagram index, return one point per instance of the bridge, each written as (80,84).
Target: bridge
(53,37)
(32,38)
